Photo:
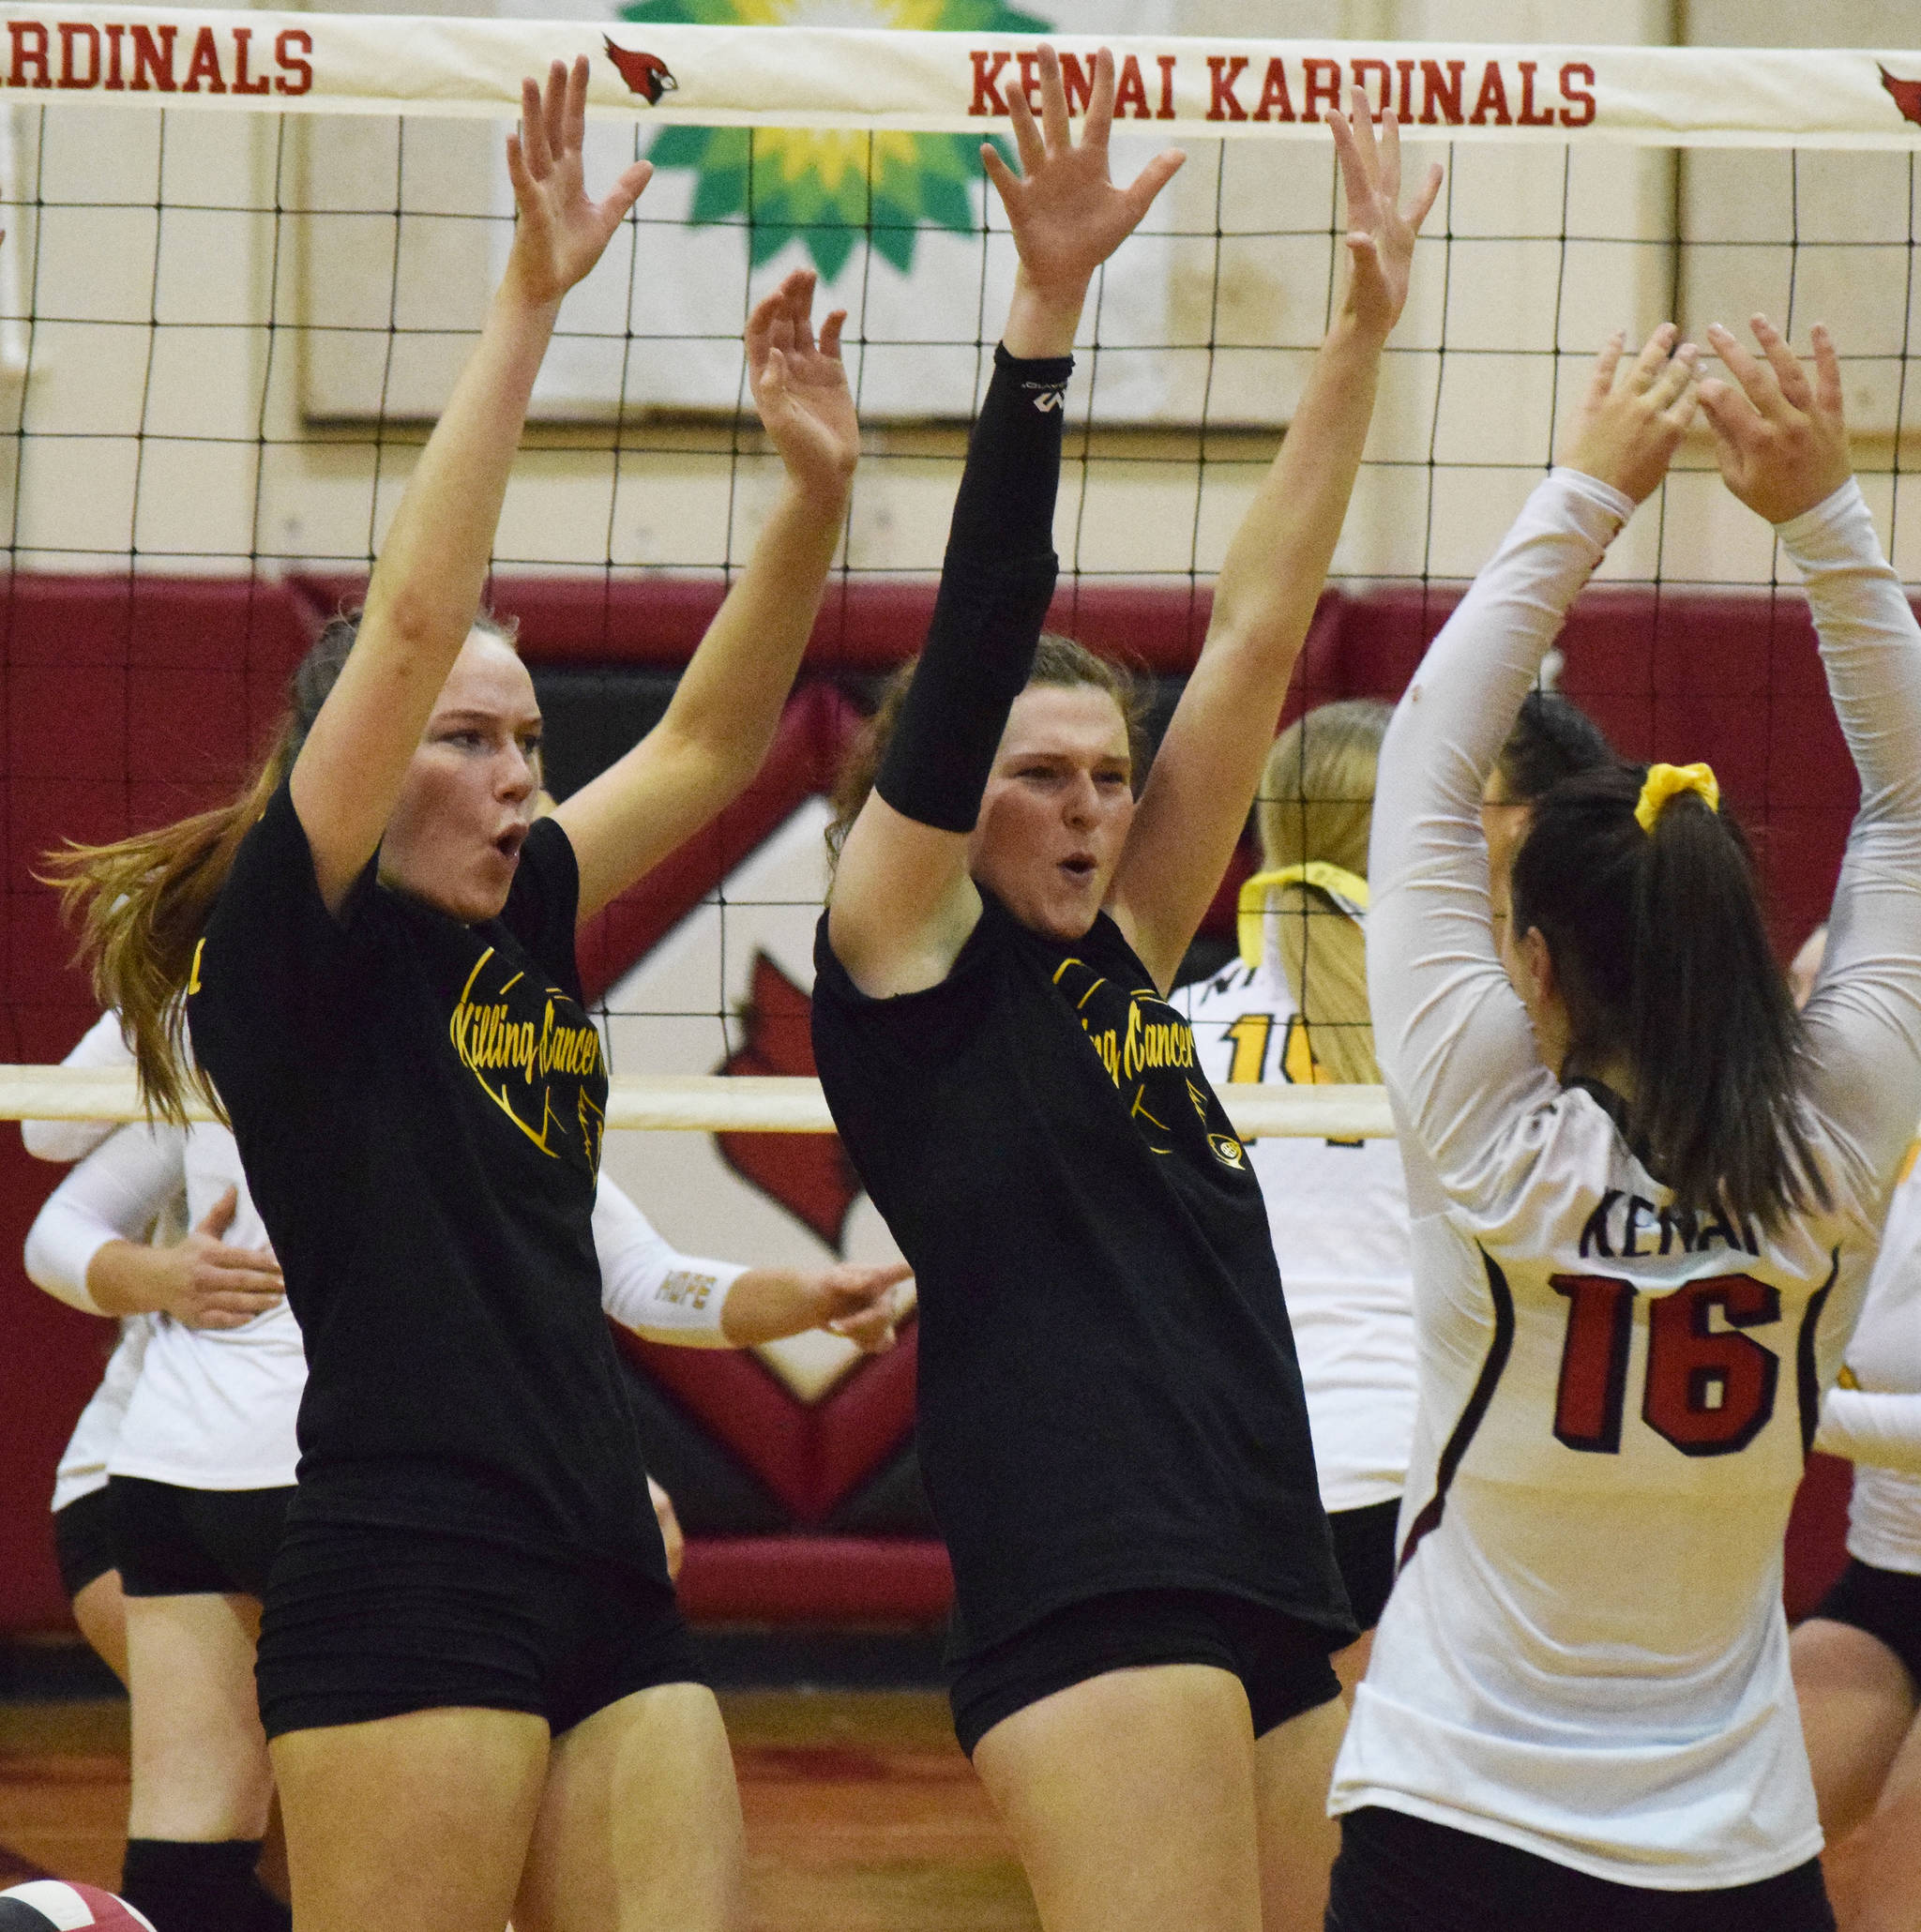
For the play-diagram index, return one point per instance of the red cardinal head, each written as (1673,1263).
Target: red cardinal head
(1907,95)
(644,73)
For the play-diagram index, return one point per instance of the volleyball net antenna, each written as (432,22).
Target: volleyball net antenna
(247,252)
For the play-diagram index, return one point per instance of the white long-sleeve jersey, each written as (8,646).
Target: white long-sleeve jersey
(1875,1422)
(215,1409)
(1338,1215)
(1584,1654)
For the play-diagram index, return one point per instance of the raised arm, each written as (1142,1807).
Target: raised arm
(902,904)
(1782,445)
(1452,1038)
(1209,763)
(728,704)
(426,587)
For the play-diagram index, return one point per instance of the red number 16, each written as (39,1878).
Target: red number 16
(1709,1391)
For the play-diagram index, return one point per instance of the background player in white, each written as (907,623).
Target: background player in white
(1857,1657)
(1294,1006)
(1645,1206)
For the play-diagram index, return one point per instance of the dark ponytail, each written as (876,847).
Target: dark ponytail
(1663,960)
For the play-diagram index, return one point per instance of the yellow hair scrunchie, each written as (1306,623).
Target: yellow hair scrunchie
(1252,904)
(1666,782)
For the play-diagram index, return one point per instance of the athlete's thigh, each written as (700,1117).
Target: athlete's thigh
(1886,1852)
(639,1824)
(100,1609)
(1294,1766)
(417,1823)
(200,1770)
(1130,1799)
(1856,1705)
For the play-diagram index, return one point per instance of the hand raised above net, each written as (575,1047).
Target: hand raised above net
(1379,235)
(800,386)
(1780,439)
(561,232)
(1635,414)
(1068,216)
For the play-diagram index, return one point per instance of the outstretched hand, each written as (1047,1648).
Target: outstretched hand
(1066,213)
(1779,439)
(867,1305)
(561,232)
(1634,415)
(1379,235)
(800,386)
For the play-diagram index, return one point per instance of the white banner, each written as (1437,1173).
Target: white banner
(958,82)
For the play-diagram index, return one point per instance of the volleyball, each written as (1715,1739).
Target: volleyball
(47,1904)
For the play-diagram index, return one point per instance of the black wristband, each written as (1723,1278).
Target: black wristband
(996,583)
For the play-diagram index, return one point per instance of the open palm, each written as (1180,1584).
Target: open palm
(1066,213)
(1380,237)
(562,233)
(800,386)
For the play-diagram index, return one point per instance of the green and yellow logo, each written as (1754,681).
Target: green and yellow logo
(829,189)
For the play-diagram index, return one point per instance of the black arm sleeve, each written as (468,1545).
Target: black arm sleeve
(995,585)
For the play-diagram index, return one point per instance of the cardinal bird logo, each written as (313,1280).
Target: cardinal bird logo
(808,1174)
(1907,95)
(644,73)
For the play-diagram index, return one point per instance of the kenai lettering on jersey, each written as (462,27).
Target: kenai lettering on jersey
(1625,1226)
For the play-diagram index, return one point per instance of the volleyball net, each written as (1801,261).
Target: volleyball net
(247,251)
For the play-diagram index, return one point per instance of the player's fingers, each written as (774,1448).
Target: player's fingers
(1100,103)
(1004,178)
(554,109)
(1652,359)
(1347,152)
(1786,365)
(517,169)
(1729,413)
(1390,152)
(1360,120)
(830,334)
(1140,193)
(1423,204)
(1607,364)
(1054,101)
(1675,377)
(1827,372)
(1756,378)
(626,192)
(1026,135)
(534,130)
(220,1217)
(576,122)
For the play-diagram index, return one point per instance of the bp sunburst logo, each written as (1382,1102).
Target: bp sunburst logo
(829,189)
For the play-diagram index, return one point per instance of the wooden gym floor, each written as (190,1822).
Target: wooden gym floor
(862,1816)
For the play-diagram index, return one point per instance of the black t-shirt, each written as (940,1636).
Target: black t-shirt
(419,1105)
(1108,1394)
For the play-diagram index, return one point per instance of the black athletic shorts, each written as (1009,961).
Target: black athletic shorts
(364,1622)
(1281,1662)
(1884,1603)
(174,1542)
(1401,1874)
(84,1541)
(1364,1548)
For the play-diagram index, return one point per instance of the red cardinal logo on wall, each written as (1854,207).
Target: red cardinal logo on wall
(1907,95)
(644,73)
(808,1174)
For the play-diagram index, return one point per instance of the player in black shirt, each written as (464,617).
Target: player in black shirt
(480,1698)
(1111,1424)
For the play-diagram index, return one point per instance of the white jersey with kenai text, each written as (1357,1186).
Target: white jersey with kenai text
(1338,1215)
(1585,1654)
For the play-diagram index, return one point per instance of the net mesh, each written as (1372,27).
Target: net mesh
(222,339)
